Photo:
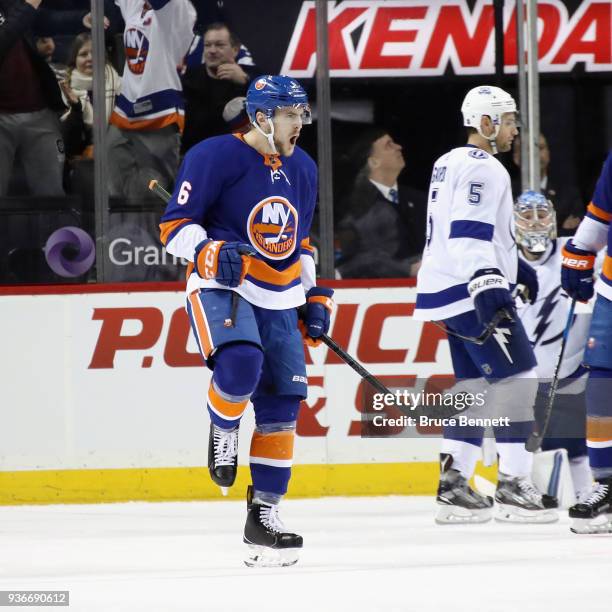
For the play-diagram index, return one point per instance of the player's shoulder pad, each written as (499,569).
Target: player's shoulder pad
(214,146)
(304,160)
(477,153)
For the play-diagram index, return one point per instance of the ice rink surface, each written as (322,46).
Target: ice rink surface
(361,554)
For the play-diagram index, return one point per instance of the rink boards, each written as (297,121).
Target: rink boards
(104,397)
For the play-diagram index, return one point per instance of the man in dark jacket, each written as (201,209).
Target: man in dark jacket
(383,233)
(211,85)
(30,98)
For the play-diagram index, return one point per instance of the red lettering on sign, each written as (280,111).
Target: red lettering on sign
(597,19)
(369,350)
(343,329)
(450,25)
(382,33)
(431,336)
(110,339)
(175,352)
(307,42)
(307,423)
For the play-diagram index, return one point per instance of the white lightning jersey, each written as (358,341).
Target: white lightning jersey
(545,320)
(470,226)
(156,38)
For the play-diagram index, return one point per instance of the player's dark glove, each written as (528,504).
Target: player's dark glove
(315,315)
(577,272)
(529,277)
(491,293)
(225,262)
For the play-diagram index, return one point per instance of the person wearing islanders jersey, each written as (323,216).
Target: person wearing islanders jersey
(594,514)
(241,213)
(469,268)
(144,136)
(544,321)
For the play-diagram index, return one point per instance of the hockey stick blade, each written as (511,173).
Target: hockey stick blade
(534,442)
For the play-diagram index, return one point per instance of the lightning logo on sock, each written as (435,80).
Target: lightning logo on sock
(503,341)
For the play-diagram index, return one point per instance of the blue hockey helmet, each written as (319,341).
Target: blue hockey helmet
(269,92)
(535,221)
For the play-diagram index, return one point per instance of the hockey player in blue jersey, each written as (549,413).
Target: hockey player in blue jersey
(469,269)
(544,322)
(241,214)
(594,514)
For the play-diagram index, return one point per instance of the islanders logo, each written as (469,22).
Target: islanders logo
(272,227)
(136,50)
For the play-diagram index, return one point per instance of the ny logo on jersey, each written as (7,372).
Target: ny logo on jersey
(272,227)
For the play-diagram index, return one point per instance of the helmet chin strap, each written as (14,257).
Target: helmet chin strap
(492,139)
(269,137)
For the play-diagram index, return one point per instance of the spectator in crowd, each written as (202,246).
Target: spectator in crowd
(45,46)
(211,85)
(77,90)
(144,136)
(564,196)
(30,99)
(235,116)
(383,233)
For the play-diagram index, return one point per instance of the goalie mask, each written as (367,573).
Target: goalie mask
(535,221)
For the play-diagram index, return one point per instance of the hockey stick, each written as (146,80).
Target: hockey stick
(370,378)
(500,315)
(535,439)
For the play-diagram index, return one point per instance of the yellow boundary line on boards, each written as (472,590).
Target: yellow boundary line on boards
(180,484)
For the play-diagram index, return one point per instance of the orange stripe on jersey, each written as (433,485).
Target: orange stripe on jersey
(201,324)
(600,213)
(261,271)
(148,124)
(305,244)
(167,227)
(225,408)
(277,445)
(599,429)
(607,267)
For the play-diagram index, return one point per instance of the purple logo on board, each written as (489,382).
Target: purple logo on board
(70,251)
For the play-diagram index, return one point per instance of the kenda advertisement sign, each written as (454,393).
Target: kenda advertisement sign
(425,38)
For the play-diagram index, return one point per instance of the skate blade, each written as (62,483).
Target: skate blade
(263,556)
(224,491)
(599,524)
(513,514)
(455,515)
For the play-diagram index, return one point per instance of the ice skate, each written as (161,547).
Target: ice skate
(269,542)
(518,501)
(458,502)
(594,513)
(223,456)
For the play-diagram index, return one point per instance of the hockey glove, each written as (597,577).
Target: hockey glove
(577,272)
(225,262)
(315,315)
(528,276)
(491,293)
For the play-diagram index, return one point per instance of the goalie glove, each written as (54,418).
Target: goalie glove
(491,293)
(577,272)
(225,262)
(315,315)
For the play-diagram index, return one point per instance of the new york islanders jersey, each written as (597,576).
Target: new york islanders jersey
(226,190)
(470,226)
(595,232)
(545,320)
(156,37)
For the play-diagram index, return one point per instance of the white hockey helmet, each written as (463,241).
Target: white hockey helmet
(490,101)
